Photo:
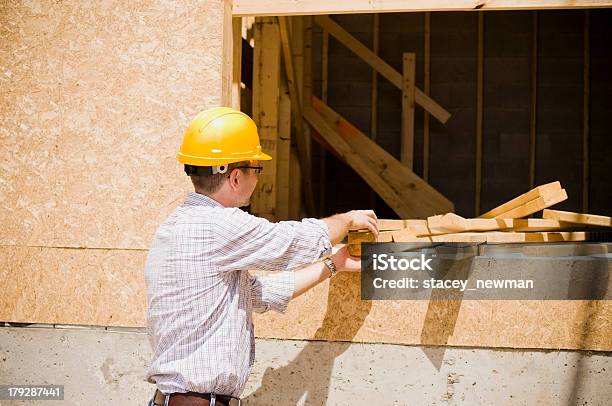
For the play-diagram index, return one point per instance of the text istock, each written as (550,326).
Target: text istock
(384,262)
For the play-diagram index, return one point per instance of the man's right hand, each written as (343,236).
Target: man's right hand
(340,224)
(362,219)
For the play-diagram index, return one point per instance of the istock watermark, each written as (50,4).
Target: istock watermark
(473,271)
(383,262)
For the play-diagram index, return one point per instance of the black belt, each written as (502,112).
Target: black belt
(159,399)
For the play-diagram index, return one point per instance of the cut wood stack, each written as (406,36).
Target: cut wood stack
(503,224)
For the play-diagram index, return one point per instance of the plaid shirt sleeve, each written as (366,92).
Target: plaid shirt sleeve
(247,242)
(272,292)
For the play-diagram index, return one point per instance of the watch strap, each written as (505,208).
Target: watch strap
(332,267)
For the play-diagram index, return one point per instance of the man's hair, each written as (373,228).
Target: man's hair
(204,181)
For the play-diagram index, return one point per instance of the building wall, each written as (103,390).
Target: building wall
(94,99)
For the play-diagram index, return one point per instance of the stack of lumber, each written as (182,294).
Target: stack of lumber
(504,224)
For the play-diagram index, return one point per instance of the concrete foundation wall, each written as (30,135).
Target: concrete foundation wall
(98,366)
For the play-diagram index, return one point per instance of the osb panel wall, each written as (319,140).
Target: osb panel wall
(73,286)
(333,311)
(94,101)
(106,287)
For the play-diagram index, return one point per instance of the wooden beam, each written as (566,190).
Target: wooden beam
(283,152)
(296,110)
(393,224)
(522,199)
(495,237)
(520,225)
(585,112)
(227,65)
(381,66)
(578,218)
(446,223)
(452,223)
(534,206)
(355,239)
(357,162)
(307,72)
(324,65)
(534,100)
(402,189)
(295,185)
(314,7)
(266,77)
(408,86)
(236,61)
(479,114)
(297,51)
(426,85)
(324,87)
(374,95)
(374,98)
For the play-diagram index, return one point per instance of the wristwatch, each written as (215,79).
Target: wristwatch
(330,264)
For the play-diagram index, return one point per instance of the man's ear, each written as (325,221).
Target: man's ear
(234,178)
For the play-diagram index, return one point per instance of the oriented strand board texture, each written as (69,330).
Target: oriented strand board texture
(106,287)
(73,286)
(334,311)
(94,99)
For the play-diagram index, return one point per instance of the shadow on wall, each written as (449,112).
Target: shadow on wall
(307,378)
(588,323)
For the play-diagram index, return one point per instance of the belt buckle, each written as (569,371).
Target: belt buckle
(159,396)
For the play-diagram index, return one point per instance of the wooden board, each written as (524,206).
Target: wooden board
(266,82)
(381,66)
(446,223)
(493,237)
(357,162)
(408,106)
(479,114)
(296,112)
(545,200)
(522,199)
(302,7)
(409,193)
(236,61)
(391,224)
(283,161)
(578,218)
(452,223)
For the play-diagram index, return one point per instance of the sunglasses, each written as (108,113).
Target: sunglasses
(258,169)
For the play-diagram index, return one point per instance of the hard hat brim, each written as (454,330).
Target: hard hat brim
(263,157)
(200,161)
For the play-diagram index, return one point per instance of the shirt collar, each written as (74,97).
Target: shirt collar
(197,199)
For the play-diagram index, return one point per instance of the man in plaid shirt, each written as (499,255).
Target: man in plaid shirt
(200,293)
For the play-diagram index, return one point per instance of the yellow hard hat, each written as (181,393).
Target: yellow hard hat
(221,136)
